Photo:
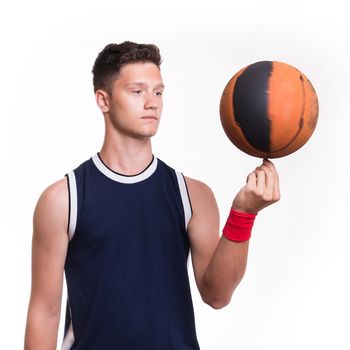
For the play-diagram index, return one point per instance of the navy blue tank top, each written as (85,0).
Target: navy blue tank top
(126,264)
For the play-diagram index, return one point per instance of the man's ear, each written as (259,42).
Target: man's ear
(102,100)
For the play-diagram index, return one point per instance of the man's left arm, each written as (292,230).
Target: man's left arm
(219,263)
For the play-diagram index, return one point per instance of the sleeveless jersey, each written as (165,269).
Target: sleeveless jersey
(126,264)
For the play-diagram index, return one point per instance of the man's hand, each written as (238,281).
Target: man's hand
(261,189)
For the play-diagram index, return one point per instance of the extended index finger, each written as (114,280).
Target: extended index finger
(271,166)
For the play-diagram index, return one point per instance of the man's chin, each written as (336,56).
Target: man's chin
(149,133)
(145,135)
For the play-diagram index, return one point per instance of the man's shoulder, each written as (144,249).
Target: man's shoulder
(197,185)
(56,193)
(200,193)
(52,207)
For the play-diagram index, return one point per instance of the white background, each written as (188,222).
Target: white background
(295,294)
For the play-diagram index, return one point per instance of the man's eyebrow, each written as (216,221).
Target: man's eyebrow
(160,85)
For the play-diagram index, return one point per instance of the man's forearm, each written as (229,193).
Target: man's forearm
(41,331)
(224,272)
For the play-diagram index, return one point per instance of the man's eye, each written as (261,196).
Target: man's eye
(137,92)
(159,93)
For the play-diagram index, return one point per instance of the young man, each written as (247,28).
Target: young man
(121,226)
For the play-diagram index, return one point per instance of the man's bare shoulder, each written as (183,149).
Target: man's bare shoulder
(53,206)
(56,194)
(198,189)
(201,195)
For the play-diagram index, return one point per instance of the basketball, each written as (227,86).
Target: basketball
(269,109)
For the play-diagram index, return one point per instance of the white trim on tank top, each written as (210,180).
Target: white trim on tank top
(68,339)
(126,179)
(184,196)
(73,200)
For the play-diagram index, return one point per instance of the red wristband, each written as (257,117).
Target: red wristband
(238,226)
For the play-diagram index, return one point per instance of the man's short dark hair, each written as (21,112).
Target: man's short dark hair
(110,60)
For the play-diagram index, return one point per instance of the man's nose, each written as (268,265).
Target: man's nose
(151,101)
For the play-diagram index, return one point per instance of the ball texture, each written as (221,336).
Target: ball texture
(269,109)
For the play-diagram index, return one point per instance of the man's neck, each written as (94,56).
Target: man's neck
(127,156)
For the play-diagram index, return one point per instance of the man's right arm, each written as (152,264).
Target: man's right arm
(49,249)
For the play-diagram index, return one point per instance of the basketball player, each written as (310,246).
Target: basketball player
(121,226)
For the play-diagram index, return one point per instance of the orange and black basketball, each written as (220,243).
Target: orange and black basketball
(269,109)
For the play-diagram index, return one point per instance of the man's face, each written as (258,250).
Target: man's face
(136,100)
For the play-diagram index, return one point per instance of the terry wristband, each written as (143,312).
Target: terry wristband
(238,226)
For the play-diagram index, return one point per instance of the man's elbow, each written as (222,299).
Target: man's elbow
(217,303)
